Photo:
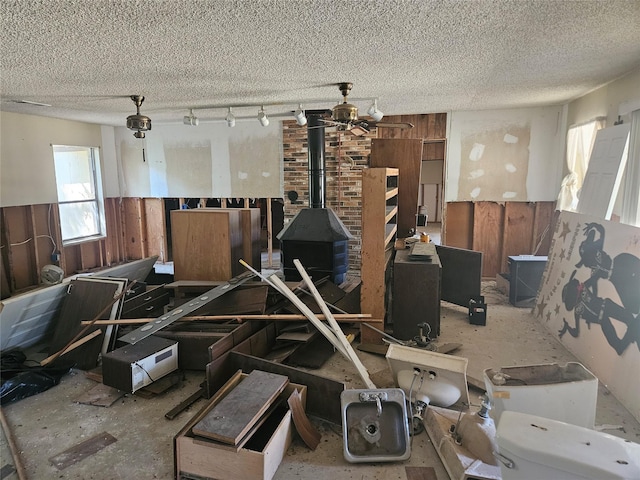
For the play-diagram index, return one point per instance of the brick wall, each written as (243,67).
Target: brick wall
(345,157)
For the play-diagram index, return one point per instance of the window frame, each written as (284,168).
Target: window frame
(96,201)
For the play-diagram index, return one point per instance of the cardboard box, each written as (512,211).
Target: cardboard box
(257,459)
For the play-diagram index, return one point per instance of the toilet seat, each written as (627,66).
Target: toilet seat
(566,447)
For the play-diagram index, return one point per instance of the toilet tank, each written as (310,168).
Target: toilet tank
(532,447)
(565,393)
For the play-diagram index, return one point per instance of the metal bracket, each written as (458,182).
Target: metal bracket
(184,310)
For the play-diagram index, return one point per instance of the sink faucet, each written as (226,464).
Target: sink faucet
(378,405)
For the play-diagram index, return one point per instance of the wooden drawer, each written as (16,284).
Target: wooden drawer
(148,304)
(204,458)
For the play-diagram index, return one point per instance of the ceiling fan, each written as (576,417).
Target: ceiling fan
(345,116)
(139,123)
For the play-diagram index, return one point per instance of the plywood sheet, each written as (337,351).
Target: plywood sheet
(156,232)
(518,230)
(458,228)
(406,156)
(589,298)
(488,225)
(234,416)
(81,451)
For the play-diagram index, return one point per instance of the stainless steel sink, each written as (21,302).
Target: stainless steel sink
(375,426)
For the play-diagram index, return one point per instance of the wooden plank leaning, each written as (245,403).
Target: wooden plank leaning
(364,374)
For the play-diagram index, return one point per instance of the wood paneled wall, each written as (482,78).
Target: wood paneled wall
(500,230)
(31,235)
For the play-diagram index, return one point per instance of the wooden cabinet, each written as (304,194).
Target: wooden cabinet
(416,295)
(206,243)
(148,303)
(379,227)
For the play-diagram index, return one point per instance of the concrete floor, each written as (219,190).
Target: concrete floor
(51,422)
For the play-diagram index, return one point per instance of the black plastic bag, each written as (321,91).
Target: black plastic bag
(20,381)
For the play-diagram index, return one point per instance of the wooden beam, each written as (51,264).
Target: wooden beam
(340,317)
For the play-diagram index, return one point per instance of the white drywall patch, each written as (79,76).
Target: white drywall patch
(475,192)
(266,174)
(509,195)
(243,175)
(476,173)
(476,152)
(510,167)
(508,138)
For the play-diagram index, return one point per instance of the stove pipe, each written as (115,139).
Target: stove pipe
(316,149)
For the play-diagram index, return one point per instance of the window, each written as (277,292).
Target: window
(79,193)
(580,140)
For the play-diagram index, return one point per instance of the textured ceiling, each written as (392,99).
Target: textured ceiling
(85,58)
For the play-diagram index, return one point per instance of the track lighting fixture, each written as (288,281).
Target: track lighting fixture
(301,118)
(374,112)
(231,119)
(262,117)
(190,119)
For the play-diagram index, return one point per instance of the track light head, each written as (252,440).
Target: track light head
(231,119)
(262,117)
(301,118)
(191,119)
(374,112)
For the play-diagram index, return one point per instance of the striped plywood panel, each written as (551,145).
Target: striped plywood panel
(458,225)
(488,221)
(518,230)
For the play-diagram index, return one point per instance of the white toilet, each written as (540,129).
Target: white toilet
(532,448)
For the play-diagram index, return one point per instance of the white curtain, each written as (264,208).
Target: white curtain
(580,140)
(631,195)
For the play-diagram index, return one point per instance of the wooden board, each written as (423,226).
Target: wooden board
(313,354)
(233,417)
(425,126)
(323,394)
(406,156)
(239,301)
(81,451)
(155,229)
(135,243)
(488,226)
(86,298)
(458,225)
(518,231)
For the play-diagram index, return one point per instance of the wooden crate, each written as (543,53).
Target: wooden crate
(204,458)
(206,243)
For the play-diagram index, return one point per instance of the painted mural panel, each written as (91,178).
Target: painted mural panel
(495,164)
(590,297)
